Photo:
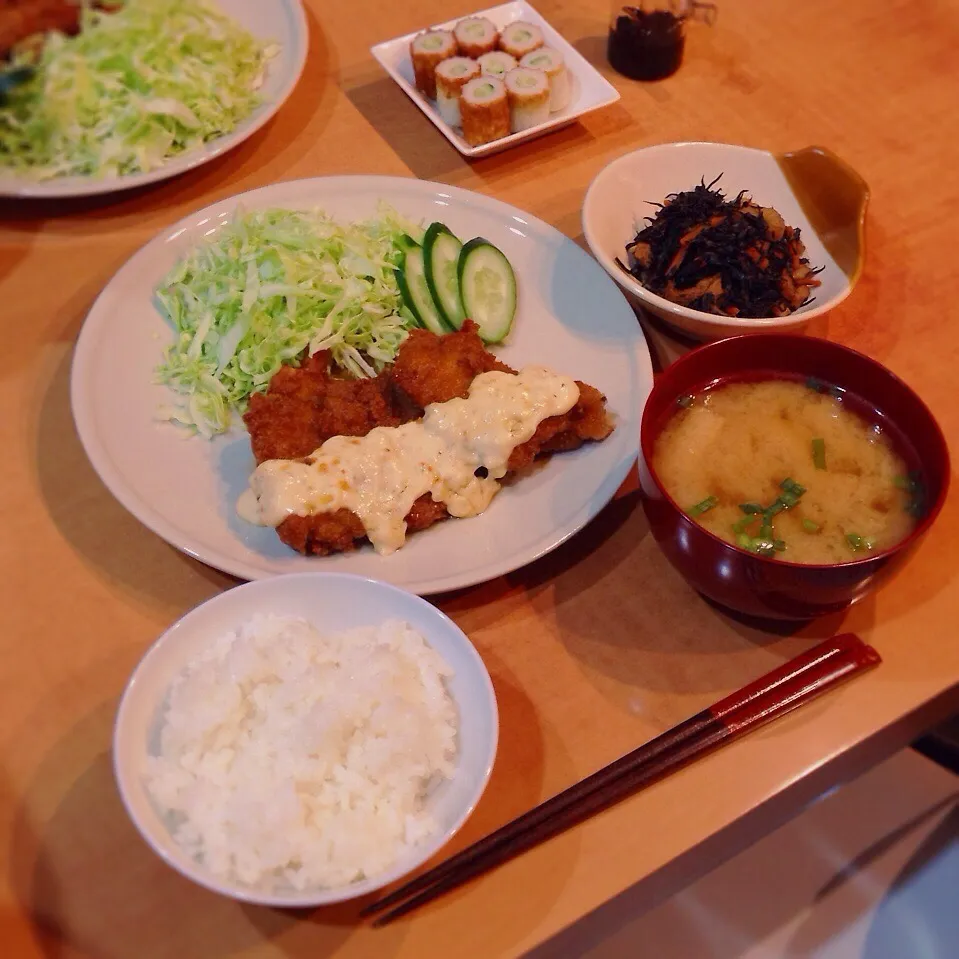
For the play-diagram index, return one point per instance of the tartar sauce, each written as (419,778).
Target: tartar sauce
(379,476)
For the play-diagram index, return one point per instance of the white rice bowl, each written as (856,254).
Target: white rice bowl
(290,757)
(282,763)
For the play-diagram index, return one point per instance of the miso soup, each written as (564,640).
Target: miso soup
(789,470)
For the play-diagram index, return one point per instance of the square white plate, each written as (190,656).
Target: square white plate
(590,90)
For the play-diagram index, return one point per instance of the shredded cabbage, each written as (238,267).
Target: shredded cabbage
(270,285)
(131,89)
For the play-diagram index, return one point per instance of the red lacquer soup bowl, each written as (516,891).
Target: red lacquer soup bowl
(758,585)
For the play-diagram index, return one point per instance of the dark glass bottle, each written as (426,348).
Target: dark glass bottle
(646,42)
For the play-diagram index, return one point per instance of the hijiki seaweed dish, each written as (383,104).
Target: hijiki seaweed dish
(728,257)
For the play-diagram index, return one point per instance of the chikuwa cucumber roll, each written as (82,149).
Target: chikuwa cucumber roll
(475,36)
(484,110)
(527,91)
(520,38)
(451,76)
(550,61)
(496,64)
(428,51)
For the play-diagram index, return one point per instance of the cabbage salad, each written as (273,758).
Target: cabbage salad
(133,88)
(269,285)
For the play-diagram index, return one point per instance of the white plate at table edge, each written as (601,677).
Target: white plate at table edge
(124,322)
(582,73)
(282,75)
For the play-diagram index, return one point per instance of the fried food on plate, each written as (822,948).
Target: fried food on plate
(433,369)
(305,407)
(21,19)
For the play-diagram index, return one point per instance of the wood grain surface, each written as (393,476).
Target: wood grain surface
(592,650)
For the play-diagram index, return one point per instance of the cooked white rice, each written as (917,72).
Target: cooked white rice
(290,758)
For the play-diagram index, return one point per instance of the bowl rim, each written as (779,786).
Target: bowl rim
(628,282)
(186,867)
(647,441)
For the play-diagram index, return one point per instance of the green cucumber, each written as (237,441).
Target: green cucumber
(441,250)
(411,279)
(405,242)
(487,289)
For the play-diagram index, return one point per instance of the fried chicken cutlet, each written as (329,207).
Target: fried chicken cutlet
(433,369)
(306,406)
(24,19)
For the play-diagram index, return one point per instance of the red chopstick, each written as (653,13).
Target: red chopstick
(771,696)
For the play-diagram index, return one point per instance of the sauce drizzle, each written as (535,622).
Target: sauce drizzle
(379,476)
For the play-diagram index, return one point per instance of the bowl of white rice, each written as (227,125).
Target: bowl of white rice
(305,739)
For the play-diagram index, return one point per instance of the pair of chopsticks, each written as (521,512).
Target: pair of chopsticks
(771,696)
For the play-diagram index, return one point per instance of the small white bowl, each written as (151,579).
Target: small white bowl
(812,188)
(332,602)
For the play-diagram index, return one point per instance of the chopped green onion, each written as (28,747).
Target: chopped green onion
(704,506)
(765,542)
(819,386)
(819,453)
(685,401)
(854,540)
(809,526)
(762,545)
(916,490)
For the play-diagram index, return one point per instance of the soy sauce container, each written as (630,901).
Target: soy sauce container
(647,42)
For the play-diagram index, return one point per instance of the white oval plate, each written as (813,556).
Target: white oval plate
(282,21)
(570,317)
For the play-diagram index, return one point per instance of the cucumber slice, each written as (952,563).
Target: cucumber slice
(411,278)
(406,301)
(405,242)
(487,289)
(441,250)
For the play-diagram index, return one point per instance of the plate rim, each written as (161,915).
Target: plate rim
(83,412)
(63,188)
(611,94)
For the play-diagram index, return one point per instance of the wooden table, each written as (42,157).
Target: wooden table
(593,649)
